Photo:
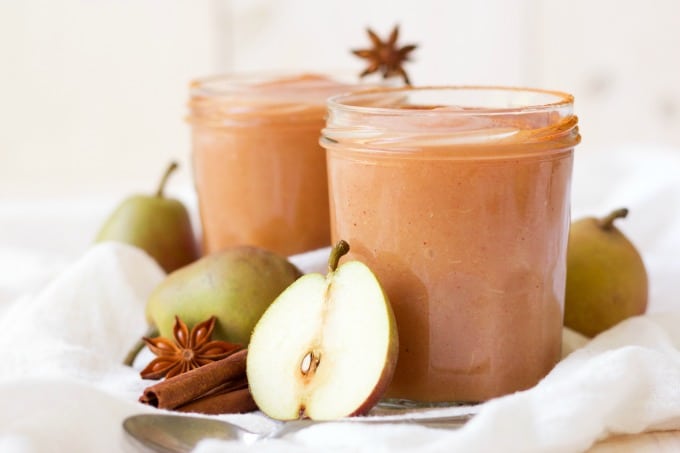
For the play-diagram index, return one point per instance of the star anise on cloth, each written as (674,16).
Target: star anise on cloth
(386,56)
(189,350)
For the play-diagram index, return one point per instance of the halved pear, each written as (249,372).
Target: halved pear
(326,348)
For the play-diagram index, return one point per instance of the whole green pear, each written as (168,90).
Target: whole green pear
(156,224)
(236,285)
(606,277)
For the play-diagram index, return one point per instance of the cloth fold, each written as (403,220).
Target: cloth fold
(623,381)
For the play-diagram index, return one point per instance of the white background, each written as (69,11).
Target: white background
(93,92)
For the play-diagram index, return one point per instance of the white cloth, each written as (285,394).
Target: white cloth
(68,316)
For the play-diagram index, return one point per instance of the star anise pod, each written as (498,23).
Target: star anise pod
(189,350)
(386,56)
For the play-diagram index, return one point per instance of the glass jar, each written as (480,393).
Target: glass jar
(259,171)
(458,198)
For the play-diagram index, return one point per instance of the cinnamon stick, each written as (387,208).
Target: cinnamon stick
(231,402)
(200,382)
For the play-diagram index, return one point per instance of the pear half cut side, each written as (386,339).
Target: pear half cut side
(326,348)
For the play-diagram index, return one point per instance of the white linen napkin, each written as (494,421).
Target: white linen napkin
(624,381)
(66,388)
(66,324)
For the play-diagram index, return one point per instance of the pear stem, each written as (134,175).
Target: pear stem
(607,223)
(171,168)
(130,357)
(339,250)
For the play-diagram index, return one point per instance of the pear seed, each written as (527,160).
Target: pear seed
(310,362)
(306,363)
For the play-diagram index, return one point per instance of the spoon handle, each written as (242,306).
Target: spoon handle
(447,422)
(181,433)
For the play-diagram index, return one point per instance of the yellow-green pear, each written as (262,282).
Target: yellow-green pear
(606,277)
(327,347)
(236,285)
(156,224)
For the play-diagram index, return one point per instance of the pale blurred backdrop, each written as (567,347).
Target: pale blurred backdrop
(93,92)
(93,98)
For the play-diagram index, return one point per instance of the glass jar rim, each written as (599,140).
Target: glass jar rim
(554,100)
(230,83)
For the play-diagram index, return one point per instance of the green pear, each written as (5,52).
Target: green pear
(606,277)
(158,225)
(327,347)
(236,285)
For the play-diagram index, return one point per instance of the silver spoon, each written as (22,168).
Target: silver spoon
(180,433)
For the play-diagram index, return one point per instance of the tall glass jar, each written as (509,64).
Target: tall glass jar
(259,171)
(459,199)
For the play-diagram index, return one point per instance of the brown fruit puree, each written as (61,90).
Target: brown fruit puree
(464,220)
(259,171)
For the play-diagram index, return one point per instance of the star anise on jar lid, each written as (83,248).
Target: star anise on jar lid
(189,350)
(386,56)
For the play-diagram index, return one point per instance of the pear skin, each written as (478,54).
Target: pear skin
(156,224)
(606,277)
(236,285)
